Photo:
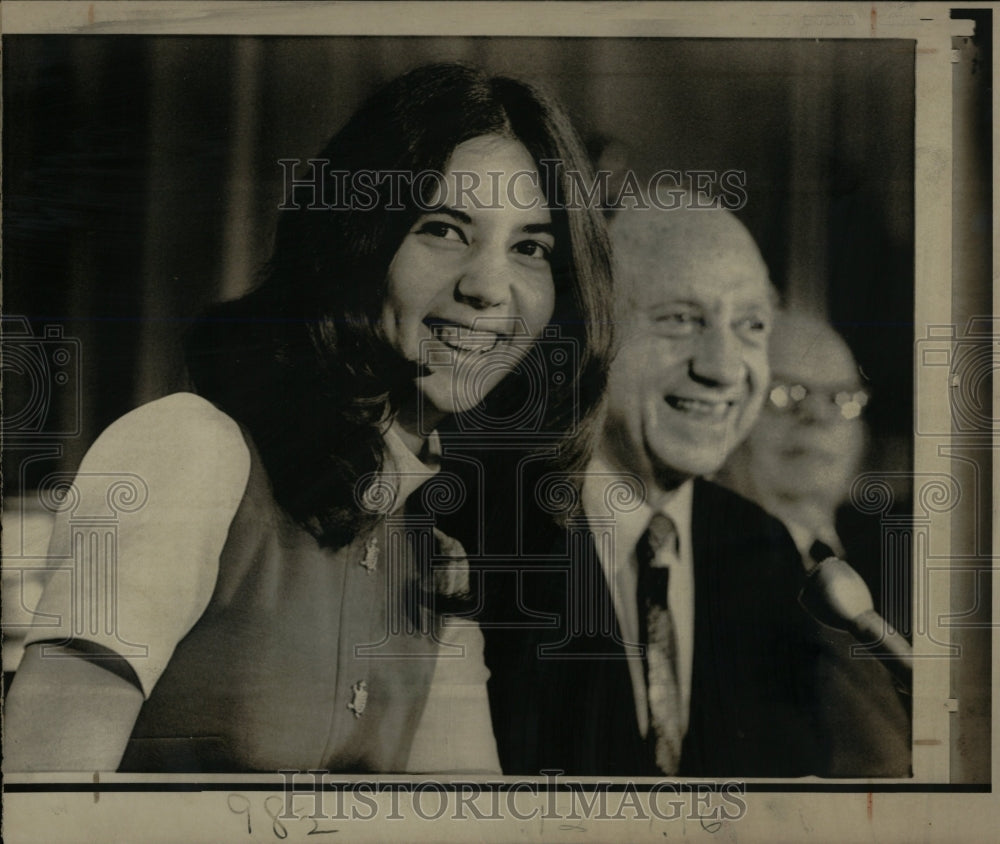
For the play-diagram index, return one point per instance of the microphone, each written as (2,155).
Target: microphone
(837,596)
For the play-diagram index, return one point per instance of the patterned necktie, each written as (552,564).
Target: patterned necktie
(654,551)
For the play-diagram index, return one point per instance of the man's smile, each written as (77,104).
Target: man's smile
(709,410)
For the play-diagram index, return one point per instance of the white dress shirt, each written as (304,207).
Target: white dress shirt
(621,572)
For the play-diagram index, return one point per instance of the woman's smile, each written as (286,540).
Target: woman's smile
(472,339)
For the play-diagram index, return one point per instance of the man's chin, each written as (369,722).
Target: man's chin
(671,472)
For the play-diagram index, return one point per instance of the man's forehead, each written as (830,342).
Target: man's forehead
(806,348)
(687,254)
(707,286)
(812,367)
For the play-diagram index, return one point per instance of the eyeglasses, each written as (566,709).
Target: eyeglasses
(789,398)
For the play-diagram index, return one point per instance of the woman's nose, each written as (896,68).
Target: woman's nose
(484,281)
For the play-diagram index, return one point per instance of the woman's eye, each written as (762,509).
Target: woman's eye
(534,249)
(442,230)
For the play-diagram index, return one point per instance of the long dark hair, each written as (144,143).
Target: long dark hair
(300,361)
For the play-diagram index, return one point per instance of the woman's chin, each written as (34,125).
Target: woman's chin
(441,395)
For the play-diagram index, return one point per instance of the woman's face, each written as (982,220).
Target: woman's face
(470,287)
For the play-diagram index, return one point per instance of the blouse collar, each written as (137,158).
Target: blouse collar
(406,470)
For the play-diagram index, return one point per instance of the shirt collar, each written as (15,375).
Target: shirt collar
(679,508)
(407,470)
(802,536)
(630,523)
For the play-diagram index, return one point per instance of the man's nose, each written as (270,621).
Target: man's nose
(484,280)
(817,408)
(717,357)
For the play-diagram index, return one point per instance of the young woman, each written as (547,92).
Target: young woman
(279,601)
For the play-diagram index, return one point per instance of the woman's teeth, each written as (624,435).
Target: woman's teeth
(464,339)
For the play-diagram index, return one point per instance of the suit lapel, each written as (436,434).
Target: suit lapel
(562,695)
(747,713)
(613,745)
(714,707)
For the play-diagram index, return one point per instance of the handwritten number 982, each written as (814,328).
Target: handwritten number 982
(240,805)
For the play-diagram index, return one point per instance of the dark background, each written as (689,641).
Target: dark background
(140,182)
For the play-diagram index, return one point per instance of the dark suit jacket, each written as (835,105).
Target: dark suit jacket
(887,572)
(773,694)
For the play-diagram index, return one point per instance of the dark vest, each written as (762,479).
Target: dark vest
(266,678)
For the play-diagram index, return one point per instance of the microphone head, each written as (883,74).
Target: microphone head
(835,594)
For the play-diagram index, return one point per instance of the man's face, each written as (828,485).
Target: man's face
(809,440)
(692,367)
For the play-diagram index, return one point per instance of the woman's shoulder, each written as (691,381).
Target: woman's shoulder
(174,472)
(177,415)
(181,434)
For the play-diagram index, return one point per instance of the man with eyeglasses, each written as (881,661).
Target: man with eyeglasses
(806,450)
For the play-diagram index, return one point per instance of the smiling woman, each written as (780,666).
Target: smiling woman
(281,600)
(472,289)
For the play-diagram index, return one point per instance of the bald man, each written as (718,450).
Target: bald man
(801,458)
(658,630)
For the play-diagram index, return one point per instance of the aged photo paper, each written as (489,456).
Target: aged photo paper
(147,150)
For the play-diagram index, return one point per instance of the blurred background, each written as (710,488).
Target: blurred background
(140,182)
